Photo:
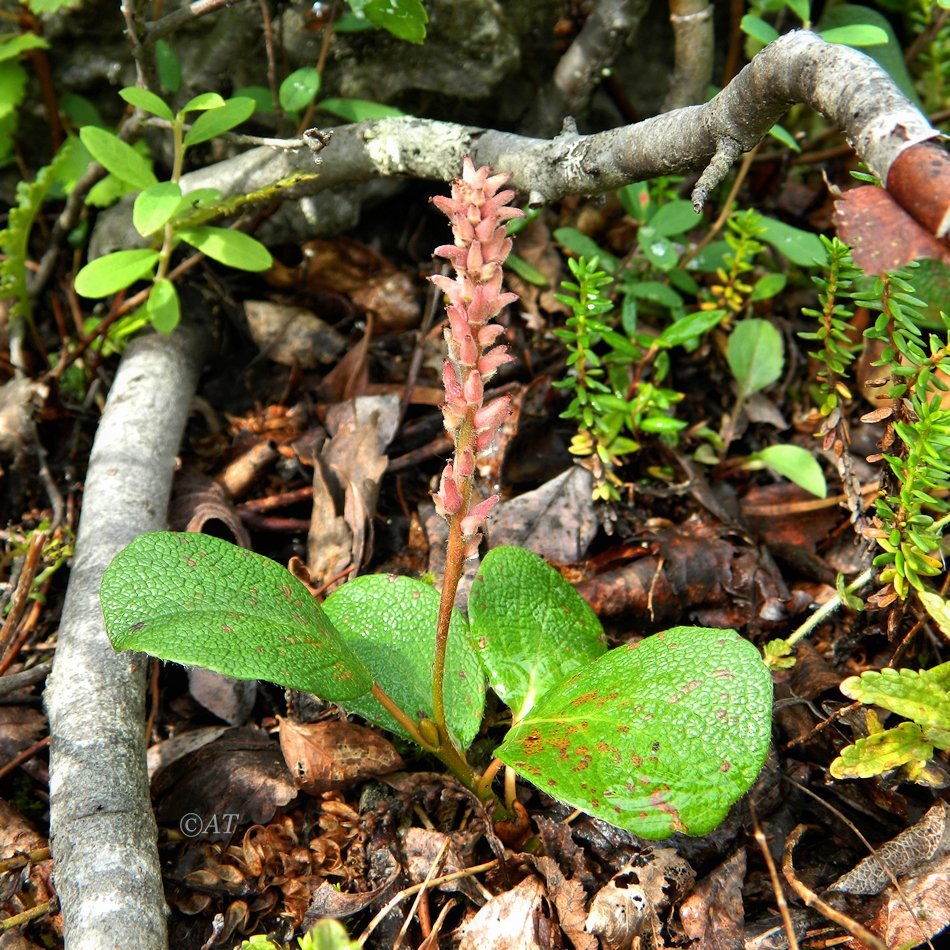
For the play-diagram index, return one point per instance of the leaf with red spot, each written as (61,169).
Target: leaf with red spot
(655,737)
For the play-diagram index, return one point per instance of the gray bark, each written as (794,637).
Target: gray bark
(844,85)
(103,833)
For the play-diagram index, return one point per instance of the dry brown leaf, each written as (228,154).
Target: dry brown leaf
(713,914)
(328,755)
(557,521)
(514,920)
(292,336)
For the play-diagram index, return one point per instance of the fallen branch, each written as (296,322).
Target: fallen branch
(103,833)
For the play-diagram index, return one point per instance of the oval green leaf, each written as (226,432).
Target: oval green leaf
(162,307)
(117,157)
(530,627)
(299,89)
(201,601)
(389,622)
(800,247)
(217,121)
(657,249)
(234,248)
(114,272)
(203,102)
(358,110)
(405,19)
(796,464)
(154,206)
(147,101)
(674,218)
(756,355)
(857,35)
(691,327)
(656,737)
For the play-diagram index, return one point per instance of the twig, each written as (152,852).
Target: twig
(780,901)
(811,899)
(829,607)
(409,891)
(173,21)
(693,53)
(24,756)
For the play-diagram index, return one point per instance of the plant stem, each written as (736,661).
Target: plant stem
(827,609)
(454,561)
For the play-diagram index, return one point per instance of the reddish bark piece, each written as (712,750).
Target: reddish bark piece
(713,914)
(920,180)
(324,756)
(882,234)
(199,500)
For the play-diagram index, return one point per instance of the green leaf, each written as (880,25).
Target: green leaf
(889,55)
(938,608)
(674,218)
(656,292)
(117,157)
(405,19)
(389,622)
(780,134)
(217,121)
(114,272)
(358,110)
(201,601)
(796,464)
(659,250)
(203,102)
(882,752)
(858,35)
(758,29)
(800,247)
(299,89)
(691,327)
(263,100)
(162,307)
(635,199)
(710,258)
(233,248)
(801,9)
(12,46)
(154,206)
(580,244)
(169,66)
(325,934)
(147,101)
(768,286)
(655,737)
(530,626)
(756,355)
(923,696)
(518,265)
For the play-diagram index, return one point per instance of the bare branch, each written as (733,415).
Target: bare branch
(693,58)
(103,833)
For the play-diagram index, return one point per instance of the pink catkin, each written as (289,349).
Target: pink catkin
(477,211)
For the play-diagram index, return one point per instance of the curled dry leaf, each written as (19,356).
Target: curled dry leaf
(517,919)
(713,914)
(328,755)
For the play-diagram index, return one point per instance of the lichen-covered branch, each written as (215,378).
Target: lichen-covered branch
(845,86)
(102,830)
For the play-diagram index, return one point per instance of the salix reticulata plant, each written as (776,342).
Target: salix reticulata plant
(657,736)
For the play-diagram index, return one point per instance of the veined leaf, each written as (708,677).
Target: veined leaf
(656,737)
(531,628)
(201,601)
